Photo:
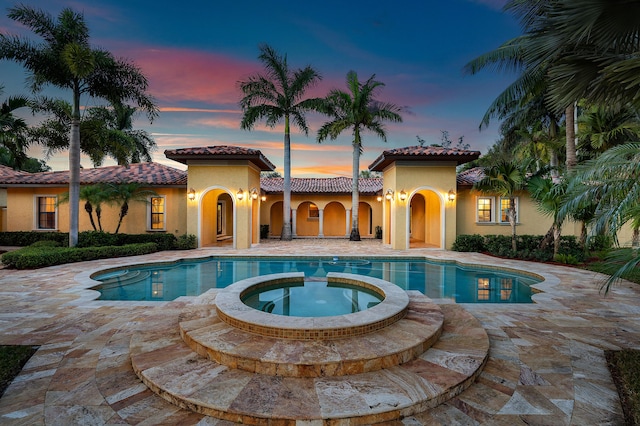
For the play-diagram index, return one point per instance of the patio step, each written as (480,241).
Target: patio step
(169,367)
(395,344)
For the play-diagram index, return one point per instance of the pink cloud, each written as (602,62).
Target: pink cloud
(177,75)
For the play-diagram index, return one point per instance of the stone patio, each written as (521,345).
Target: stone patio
(546,363)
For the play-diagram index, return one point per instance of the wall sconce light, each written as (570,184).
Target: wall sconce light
(379,198)
(403,195)
(254,194)
(263,198)
(240,194)
(191,194)
(389,194)
(451,196)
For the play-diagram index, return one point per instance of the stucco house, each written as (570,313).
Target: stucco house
(420,201)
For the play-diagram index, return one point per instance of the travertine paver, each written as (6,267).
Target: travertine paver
(546,363)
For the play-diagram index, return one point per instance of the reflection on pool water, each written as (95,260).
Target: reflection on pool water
(434,279)
(312,298)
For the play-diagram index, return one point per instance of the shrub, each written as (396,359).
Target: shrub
(264,232)
(45,243)
(26,238)
(469,243)
(498,244)
(569,259)
(164,240)
(39,257)
(187,242)
(96,239)
(599,243)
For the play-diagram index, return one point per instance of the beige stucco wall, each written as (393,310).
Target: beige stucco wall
(432,180)
(530,220)
(227,177)
(21,212)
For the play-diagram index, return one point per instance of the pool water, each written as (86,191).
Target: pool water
(311,298)
(192,277)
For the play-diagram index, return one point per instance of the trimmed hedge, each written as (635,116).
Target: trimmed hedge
(165,241)
(528,247)
(41,256)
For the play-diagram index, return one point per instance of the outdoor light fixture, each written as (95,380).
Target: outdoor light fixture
(389,194)
(451,196)
(403,195)
(379,198)
(254,194)
(240,194)
(263,198)
(191,194)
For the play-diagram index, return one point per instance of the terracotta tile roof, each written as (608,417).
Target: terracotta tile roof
(338,185)
(8,172)
(152,174)
(469,177)
(220,152)
(423,153)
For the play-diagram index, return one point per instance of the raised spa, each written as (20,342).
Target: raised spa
(311,298)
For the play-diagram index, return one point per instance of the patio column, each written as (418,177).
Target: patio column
(321,223)
(294,222)
(347,215)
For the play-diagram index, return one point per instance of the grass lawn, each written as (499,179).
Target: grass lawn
(12,359)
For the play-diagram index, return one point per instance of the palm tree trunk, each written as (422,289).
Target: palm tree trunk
(572,160)
(89,209)
(355,193)
(286,234)
(512,222)
(123,212)
(557,231)
(74,168)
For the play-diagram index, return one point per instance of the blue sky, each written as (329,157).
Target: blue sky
(194,52)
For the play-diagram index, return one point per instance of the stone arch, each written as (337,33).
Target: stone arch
(426,227)
(335,217)
(216,217)
(307,220)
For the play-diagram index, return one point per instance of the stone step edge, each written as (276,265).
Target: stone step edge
(358,419)
(424,337)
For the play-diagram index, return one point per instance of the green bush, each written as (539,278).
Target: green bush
(97,239)
(264,232)
(39,257)
(569,259)
(469,243)
(26,238)
(187,242)
(45,243)
(498,245)
(164,240)
(599,243)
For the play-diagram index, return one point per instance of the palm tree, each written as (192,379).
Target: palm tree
(13,130)
(66,60)
(92,195)
(276,95)
(549,196)
(358,110)
(603,127)
(123,193)
(504,179)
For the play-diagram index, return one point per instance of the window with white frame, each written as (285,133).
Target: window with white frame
(504,208)
(157,213)
(484,209)
(46,212)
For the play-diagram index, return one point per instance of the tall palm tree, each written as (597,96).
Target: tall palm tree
(277,95)
(549,196)
(360,111)
(603,127)
(13,130)
(505,179)
(65,59)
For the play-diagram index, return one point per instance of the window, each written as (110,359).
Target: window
(484,210)
(504,207)
(314,213)
(46,212)
(157,213)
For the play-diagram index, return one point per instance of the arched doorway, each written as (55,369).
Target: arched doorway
(307,220)
(425,220)
(275,219)
(216,218)
(365,223)
(335,217)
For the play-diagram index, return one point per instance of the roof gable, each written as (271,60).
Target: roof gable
(220,152)
(423,153)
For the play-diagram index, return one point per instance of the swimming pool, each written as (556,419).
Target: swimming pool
(192,277)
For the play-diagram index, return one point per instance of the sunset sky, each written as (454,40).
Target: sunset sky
(195,52)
